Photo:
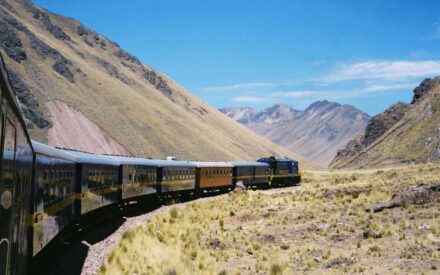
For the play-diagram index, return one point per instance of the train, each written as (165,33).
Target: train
(46,191)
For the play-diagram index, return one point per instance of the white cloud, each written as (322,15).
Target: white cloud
(387,87)
(383,70)
(248,99)
(256,85)
(294,94)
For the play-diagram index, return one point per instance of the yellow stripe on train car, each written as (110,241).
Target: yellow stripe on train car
(179,182)
(248,177)
(136,185)
(56,207)
(285,176)
(95,192)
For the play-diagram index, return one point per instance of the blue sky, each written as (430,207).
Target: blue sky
(257,53)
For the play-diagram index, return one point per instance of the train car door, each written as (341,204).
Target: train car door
(6,197)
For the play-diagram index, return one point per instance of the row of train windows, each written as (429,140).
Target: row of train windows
(102,173)
(99,179)
(57,174)
(179,177)
(218,172)
(52,194)
(142,176)
(178,172)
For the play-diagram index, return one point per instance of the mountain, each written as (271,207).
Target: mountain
(78,89)
(404,133)
(317,133)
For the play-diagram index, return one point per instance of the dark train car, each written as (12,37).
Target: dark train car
(283,171)
(96,181)
(251,174)
(15,186)
(213,176)
(137,177)
(53,194)
(176,176)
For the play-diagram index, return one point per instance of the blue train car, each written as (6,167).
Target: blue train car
(251,174)
(53,191)
(96,181)
(137,177)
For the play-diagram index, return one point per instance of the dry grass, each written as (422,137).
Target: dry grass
(320,227)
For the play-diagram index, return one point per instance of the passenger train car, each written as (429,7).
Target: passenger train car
(15,185)
(137,178)
(251,174)
(96,181)
(46,191)
(213,176)
(176,177)
(53,192)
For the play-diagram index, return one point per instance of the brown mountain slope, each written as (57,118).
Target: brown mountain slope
(317,133)
(74,82)
(404,133)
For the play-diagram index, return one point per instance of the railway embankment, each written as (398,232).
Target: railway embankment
(376,221)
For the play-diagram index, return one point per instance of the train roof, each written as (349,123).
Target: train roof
(10,95)
(173,163)
(277,159)
(50,151)
(151,162)
(88,158)
(248,163)
(201,164)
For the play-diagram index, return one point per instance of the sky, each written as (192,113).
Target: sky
(239,53)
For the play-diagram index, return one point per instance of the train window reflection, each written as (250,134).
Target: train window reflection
(9,154)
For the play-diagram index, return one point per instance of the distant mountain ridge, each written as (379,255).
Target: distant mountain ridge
(404,133)
(318,132)
(80,90)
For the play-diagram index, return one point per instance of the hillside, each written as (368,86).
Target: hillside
(80,90)
(317,133)
(404,133)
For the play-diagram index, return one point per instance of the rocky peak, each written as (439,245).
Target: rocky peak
(422,89)
(276,113)
(382,122)
(323,105)
(426,86)
(239,114)
(376,127)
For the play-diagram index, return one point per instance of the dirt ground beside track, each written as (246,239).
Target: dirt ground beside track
(379,221)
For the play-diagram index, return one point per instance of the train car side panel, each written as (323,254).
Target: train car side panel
(138,180)
(15,185)
(177,178)
(99,186)
(54,194)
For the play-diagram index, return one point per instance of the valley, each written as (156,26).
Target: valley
(317,133)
